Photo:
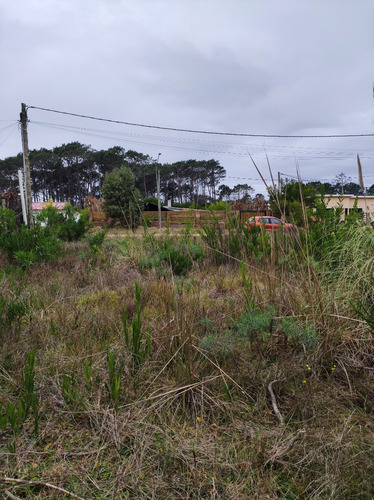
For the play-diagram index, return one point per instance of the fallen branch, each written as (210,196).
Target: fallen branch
(286,448)
(274,402)
(10,495)
(38,483)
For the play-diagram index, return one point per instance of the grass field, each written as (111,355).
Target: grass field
(207,365)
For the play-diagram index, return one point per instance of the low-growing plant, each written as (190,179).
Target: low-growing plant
(27,246)
(221,346)
(12,309)
(16,414)
(179,256)
(70,391)
(255,324)
(302,333)
(137,341)
(96,242)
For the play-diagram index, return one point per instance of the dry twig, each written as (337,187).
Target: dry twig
(274,402)
(286,448)
(6,479)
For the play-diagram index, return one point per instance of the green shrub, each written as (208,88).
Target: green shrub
(7,220)
(27,246)
(253,324)
(178,256)
(68,225)
(221,346)
(96,242)
(297,332)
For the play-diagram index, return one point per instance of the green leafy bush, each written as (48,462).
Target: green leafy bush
(27,246)
(255,323)
(179,256)
(7,220)
(297,332)
(68,225)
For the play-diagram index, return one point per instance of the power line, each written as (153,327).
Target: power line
(257,150)
(216,144)
(192,131)
(10,133)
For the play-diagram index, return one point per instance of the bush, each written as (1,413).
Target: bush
(27,246)
(68,225)
(179,257)
(7,220)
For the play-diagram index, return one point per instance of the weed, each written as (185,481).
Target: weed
(248,287)
(137,341)
(70,390)
(295,331)
(255,324)
(96,242)
(114,385)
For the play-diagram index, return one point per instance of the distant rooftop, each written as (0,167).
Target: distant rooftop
(39,205)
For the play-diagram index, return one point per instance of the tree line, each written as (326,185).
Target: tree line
(72,171)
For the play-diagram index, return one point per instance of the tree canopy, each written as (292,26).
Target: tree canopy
(122,199)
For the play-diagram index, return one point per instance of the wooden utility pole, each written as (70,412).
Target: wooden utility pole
(26,166)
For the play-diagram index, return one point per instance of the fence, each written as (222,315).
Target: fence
(194,218)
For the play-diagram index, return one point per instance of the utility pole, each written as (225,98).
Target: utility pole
(26,166)
(158,190)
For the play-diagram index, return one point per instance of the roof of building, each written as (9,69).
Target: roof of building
(39,205)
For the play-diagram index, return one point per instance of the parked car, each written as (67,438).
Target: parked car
(270,223)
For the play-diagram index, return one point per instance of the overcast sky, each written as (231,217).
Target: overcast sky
(288,67)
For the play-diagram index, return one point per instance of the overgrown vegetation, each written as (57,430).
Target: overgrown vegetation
(227,363)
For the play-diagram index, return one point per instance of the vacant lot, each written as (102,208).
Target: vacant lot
(219,365)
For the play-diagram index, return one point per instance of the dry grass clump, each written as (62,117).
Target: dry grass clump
(257,383)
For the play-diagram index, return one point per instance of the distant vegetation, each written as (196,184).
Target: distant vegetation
(72,171)
(220,363)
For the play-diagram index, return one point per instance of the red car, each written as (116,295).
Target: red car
(269,223)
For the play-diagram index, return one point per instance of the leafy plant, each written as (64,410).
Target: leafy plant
(179,257)
(8,220)
(16,414)
(96,242)
(254,324)
(69,224)
(137,341)
(295,331)
(27,246)
(70,391)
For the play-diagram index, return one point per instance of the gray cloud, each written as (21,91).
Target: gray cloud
(285,67)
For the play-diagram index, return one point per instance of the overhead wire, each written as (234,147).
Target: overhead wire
(259,148)
(200,141)
(193,131)
(15,126)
